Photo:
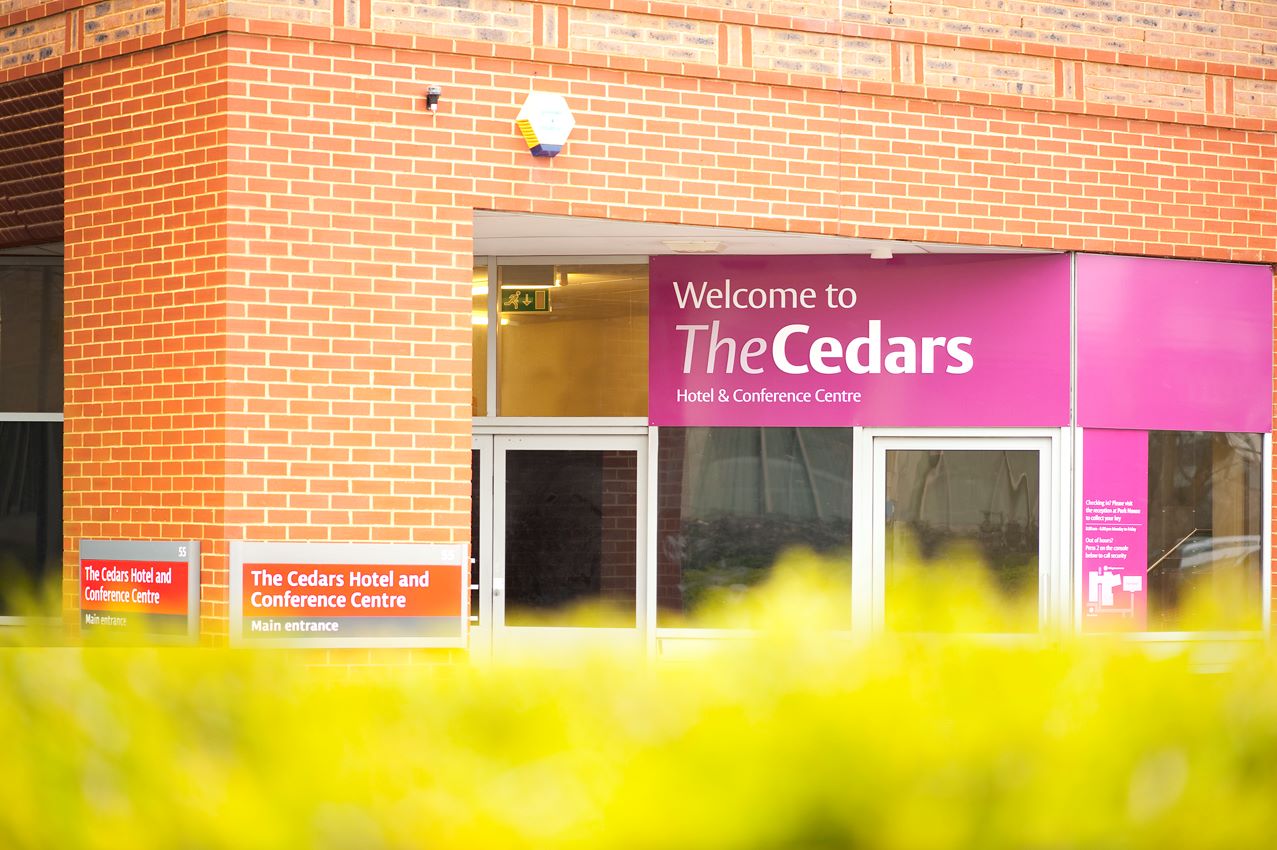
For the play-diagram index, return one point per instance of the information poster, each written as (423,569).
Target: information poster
(148,590)
(1114,530)
(348,594)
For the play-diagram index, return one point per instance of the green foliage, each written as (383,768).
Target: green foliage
(800,738)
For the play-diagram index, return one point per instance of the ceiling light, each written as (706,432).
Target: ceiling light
(882,252)
(695,246)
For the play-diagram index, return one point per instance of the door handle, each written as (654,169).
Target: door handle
(498,585)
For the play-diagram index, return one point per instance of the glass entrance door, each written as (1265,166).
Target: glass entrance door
(971,516)
(561,550)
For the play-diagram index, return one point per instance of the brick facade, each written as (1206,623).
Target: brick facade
(1088,126)
(147,306)
(268,237)
(264,339)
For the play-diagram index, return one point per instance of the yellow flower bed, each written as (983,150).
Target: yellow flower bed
(799,738)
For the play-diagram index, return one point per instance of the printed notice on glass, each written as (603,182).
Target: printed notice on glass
(142,590)
(348,594)
(1114,530)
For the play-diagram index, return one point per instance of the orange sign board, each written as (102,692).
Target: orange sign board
(349,594)
(352,590)
(144,589)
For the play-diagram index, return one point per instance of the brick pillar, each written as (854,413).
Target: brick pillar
(267,305)
(146,305)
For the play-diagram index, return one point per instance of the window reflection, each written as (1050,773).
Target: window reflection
(586,355)
(733,500)
(571,537)
(1205,503)
(31,299)
(976,508)
(31,338)
(30,508)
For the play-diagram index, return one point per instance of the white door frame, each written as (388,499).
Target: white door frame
(481,541)
(1054,564)
(491,634)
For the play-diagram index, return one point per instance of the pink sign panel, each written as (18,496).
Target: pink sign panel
(1173,345)
(836,340)
(1114,530)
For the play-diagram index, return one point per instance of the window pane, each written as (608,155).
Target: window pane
(479,342)
(733,500)
(571,537)
(973,507)
(584,356)
(1205,550)
(30,507)
(476,535)
(31,339)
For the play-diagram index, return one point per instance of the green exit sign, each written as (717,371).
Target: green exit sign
(525,301)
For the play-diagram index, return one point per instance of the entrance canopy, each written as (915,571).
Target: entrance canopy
(503,234)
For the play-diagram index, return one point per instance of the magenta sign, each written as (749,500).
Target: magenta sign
(1174,345)
(1114,530)
(842,340)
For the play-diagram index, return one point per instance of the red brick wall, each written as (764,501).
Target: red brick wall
(256,350)
(349,279)
(1071,125)
(146,306)
(704,151)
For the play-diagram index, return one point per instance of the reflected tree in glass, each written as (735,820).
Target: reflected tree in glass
(732,501)
(965,507)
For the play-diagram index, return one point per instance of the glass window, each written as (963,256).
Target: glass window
(479,342)
(30,338)
(731,501)
(571,538)
(973,507)
(573,340)
(30,508)
(30,452)
(1205,545)
(476,537)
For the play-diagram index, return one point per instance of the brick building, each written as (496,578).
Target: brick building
(244,291)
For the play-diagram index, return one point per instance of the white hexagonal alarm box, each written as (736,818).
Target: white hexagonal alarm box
(545,122)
